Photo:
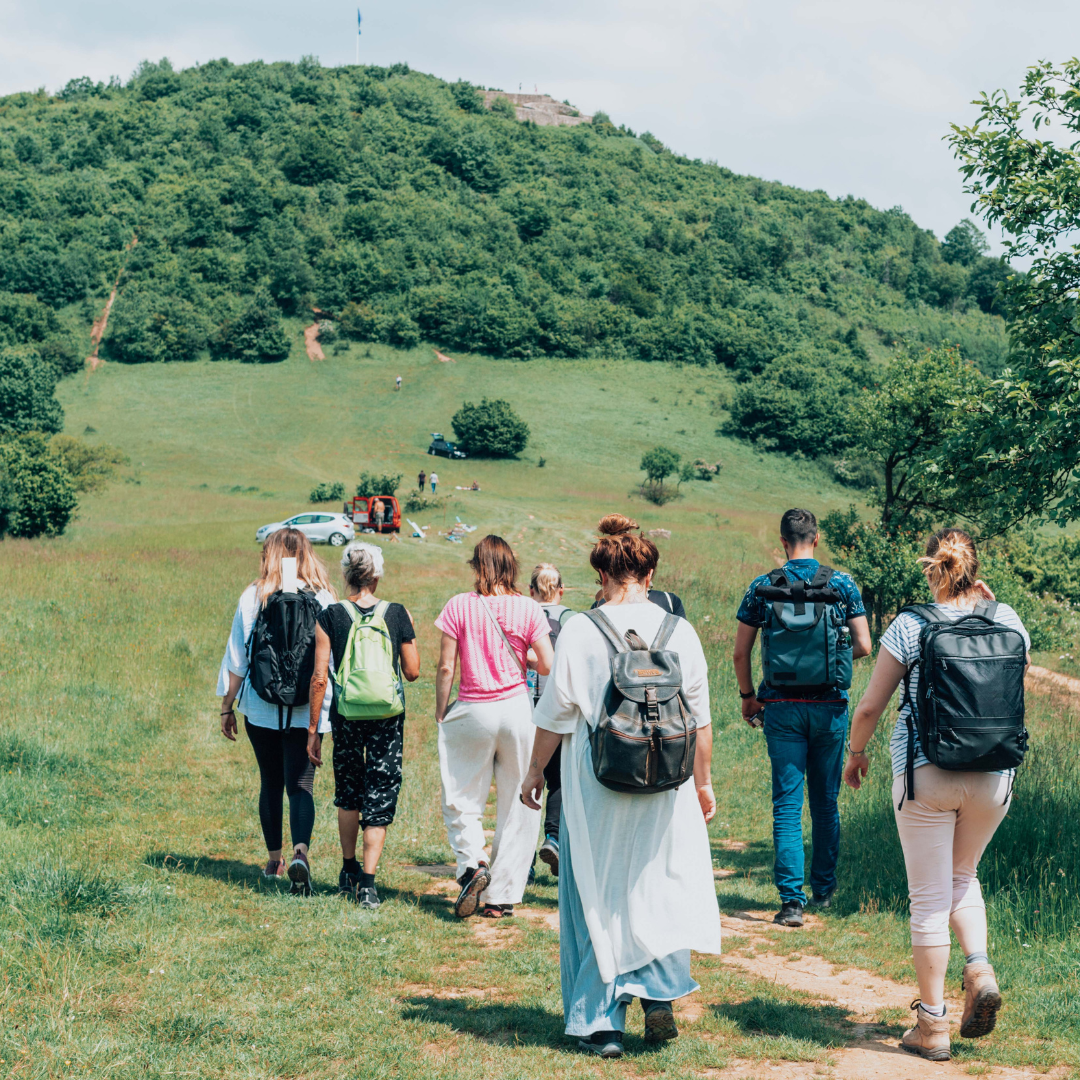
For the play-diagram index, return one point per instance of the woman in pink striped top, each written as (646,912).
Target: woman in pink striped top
(493,633)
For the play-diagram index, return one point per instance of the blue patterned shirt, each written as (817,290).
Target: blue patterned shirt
(754,611)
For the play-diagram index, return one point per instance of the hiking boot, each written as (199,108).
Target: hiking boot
(275,868)
(549,854)
(790,914)
(929,1037)
(605,1044)
(368,898)
(347,883)
(982,999)
(473,882)
(821,901)
(498,911)
(300,874)
(659,1021)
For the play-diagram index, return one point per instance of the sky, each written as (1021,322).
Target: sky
(847,96)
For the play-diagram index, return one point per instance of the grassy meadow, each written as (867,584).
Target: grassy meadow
(137,938)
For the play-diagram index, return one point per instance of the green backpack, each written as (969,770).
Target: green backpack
(368,687)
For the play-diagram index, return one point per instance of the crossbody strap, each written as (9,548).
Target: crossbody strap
(502,634)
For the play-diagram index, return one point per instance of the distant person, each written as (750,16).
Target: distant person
(546,588)
(805,722)
(488,728)
(636,887)
(434,482)
(371,660)
(397,383)
(421,480)
(949,817)
(379,512)
(475,486)
(278,735)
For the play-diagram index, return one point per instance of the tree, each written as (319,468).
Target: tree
(1018,452)
(27,385)
(490,429)
(371,485)
(255,335)
(37,496)
(964,244)
(658,464)
(147,326)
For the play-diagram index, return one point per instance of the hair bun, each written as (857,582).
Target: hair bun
(616,525)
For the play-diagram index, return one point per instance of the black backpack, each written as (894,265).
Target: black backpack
(645,739)
(281,651)
(969,712)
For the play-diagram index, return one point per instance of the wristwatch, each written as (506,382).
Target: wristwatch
(750,694)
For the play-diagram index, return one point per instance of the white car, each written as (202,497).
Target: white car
(335,529)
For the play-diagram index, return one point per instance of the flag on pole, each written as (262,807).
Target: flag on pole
(358,20)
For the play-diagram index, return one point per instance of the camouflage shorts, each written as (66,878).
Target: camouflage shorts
(367,767)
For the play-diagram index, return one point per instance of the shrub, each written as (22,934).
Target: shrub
(146,326)
(658,464)
(370,484)
(416,502)
(90,467)
(27,385)
(37,496)
(490,429)
(327,492)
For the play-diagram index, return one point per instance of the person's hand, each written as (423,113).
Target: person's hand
(532,788)
(855,769)
(707,801)
(985,590)
(750,708)
(314,748)
(228,724)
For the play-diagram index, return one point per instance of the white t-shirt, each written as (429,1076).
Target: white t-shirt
(642,863)
(258,712)
(901,640)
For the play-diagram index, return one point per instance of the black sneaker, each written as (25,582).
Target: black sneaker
(473,882)
(821,901)
(790,914)
(549,854)
(605,1044)
(659,1021)
(368,897)
(347,883)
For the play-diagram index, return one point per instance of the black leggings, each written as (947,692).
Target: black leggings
(553,776)
(284,767)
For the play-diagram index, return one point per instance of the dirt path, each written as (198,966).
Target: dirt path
(97,331)
(311,342)
(1053,678)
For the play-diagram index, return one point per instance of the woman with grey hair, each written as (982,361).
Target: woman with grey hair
(366,646)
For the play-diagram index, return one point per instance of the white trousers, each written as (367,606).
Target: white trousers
(476,740)
(944,830)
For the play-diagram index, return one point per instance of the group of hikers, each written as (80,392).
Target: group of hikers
(608,711)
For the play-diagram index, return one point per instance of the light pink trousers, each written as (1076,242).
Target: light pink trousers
(944,830)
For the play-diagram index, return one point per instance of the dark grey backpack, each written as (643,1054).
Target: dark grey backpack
(645,739)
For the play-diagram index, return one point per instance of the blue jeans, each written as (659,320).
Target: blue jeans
(805,741)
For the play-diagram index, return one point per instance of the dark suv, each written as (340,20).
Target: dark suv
(440,447)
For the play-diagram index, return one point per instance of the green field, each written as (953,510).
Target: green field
(137,938)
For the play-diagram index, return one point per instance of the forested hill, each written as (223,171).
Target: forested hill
(397,202)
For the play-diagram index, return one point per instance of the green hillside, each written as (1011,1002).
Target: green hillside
(397,202)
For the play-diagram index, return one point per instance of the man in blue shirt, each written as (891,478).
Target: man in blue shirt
(804,730)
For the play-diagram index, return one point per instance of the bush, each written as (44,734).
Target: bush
(658,464)
(146,327)
(89,467)
(327,492)
(490,429)
(370,484)
(255,335)
(27,385)
(37,496)
(416,502)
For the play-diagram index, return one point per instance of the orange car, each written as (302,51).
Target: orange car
(363,517)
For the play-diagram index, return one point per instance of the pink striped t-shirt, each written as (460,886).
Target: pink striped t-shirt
(488,671)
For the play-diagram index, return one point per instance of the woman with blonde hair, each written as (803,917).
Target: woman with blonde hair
(487,731)
(948,819)
(636,889)
(278,735)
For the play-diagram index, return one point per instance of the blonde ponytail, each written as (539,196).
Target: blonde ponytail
(951,564)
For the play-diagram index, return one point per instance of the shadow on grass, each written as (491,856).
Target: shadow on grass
(822,1025)
(732,901)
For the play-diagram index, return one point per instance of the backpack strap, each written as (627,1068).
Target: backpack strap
(603,624)
(667,628)
(926,612)
(929,614)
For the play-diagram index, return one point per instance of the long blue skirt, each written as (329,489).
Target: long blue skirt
(589,1003)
